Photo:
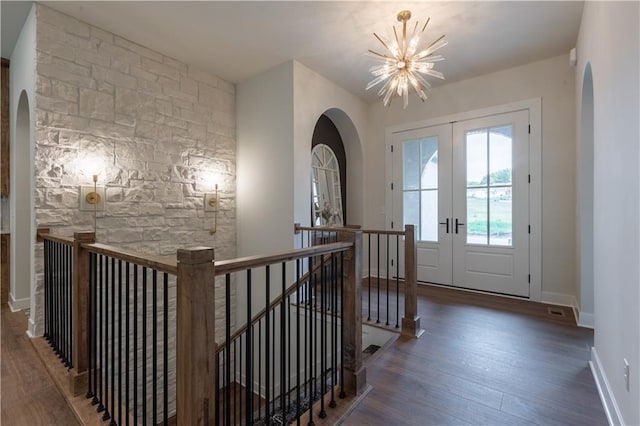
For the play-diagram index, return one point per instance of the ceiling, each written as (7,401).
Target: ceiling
(237,40)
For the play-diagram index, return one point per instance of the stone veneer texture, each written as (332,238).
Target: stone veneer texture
(157,126)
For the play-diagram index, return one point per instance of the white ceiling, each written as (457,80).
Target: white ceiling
(241,39)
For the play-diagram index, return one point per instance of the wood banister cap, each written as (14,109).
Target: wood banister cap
(195,255)
(85,237)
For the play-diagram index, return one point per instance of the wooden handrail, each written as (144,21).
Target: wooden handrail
(347,229)
(158,263)
(240,264)
(43,234)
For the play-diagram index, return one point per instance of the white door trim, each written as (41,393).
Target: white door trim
(535,166)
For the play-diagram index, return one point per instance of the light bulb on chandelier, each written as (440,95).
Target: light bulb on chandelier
(405,68)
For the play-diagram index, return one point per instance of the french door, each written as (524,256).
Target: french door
(464,185)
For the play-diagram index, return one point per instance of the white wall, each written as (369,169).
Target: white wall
(608,40)
(264,111)
(553,81)
(22,80)
(313,96)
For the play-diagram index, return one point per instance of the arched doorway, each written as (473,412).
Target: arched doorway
(329,175)
(21,209)
(353,181)
(585,201)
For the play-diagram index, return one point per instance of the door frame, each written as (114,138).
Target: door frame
(534,106)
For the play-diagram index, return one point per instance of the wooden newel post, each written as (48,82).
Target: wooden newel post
(196,339)
(410,320)
(80,312)
(355,374)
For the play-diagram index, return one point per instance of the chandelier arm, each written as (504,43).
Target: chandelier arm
(437,40)
(397,41)
(417,87)
(404,38)
(380,55)
(422,80)
(425,24)
(382,41)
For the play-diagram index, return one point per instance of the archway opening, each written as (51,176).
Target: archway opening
(585,201)
(353,182)
(21,209)
(329,175)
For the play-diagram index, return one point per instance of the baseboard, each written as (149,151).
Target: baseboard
(18,305)
(558,299)
(604,390)
(32,330)
(586,320)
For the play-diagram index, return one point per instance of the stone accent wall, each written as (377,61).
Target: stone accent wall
(158,127)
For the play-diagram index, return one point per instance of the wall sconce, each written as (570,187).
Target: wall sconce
(92,198)
(211,205)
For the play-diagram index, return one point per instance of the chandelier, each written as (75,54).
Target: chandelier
(403,67)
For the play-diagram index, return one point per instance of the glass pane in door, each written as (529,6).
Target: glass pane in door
(489,169)
(501,186)
(420,186)
(477,216)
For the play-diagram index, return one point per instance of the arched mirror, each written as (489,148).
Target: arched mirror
(326,191)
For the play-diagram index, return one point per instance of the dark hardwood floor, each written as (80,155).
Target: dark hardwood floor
(28,395)
(484,360)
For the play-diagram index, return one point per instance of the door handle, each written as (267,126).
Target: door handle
(458,224)
(446,223)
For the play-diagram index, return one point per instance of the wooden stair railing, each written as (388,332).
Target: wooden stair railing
(377,263)
(102,276)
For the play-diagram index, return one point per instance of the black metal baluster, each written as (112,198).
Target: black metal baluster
(144,345)
(283,344)
(235,380)
(289,358)
(47,277)
(218,390)
(119,341)
(105,379)
(66,311)
(259,358)
(342,393)
(298,395)
(312,277)
(378,280)
(90,331)
(109,345)
(323,287)
(267,343)
(100,407)
(248,382)
(398,281)
(239,381)
(154,347)
(369,277)
(334,323)
(135,344)
(227,370)
(127,342)
(56,266)
(387,323)
(307,295)
(165,361)
(71,296)
(216,409)
(95,328)
(113,340)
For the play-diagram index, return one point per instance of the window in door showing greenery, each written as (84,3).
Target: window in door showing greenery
(489,186)
(420,186)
